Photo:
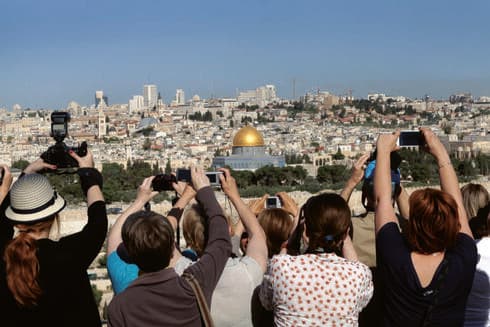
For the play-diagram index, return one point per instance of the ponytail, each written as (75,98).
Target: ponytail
(22,265)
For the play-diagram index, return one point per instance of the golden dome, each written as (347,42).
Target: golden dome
(248,136)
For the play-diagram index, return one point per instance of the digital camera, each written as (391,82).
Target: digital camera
(273,202)
(184,175)
(58,154)
(410,138)
(163,182)
(213,177)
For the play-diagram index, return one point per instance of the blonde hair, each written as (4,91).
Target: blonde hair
(475,197)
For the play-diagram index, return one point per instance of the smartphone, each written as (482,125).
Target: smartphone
(272,202)
(410,138)
(213,177)
(163,182)
(184,175)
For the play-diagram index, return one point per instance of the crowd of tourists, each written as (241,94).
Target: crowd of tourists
(409,260)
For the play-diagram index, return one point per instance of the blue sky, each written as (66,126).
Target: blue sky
(52,52)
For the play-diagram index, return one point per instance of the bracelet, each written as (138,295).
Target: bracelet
(445,164)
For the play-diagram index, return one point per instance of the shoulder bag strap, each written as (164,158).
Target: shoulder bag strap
(201,300)
(437,289)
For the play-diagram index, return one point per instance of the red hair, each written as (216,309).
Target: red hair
(22,264)
(434,221)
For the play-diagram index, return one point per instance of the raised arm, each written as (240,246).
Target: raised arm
(87,243)
(257,246)
(402,203)
(447,175)
(218,248)
(348,251)
(144,194)
(357,174)
(382,180)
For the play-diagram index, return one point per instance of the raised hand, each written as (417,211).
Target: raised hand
(228,183)
(145,192)
(288,204)
(84,162)
(38,165)
(199,178)
(387,142)
(258,205)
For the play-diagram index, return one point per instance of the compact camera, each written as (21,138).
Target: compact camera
(273,202)
(163,182)
(58,154)
(410,138)
(184,175)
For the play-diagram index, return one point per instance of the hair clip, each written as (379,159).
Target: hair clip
(328,238)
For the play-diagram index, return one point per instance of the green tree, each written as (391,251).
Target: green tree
(332,174)
(20,164)
(168,167)
(338,155)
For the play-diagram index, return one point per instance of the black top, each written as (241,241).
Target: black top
(67,298)
(405,300)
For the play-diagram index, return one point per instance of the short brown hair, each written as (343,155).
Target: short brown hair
(434,221)
(149,239)
(327,218)
(277,225)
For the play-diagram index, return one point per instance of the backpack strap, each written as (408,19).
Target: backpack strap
(201,300)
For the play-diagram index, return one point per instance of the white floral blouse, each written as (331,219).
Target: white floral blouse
(316,290)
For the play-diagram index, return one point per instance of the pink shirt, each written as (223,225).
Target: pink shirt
(316,290)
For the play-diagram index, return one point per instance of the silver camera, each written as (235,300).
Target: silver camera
(273,202)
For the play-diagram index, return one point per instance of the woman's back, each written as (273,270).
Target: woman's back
(406,298)
(66,300)
(317,290)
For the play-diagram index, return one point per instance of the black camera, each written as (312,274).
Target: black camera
(58,154)
(184,175)
(410,138)
(273,202)
(163,182)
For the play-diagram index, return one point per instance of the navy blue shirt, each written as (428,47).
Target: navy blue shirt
(405,300)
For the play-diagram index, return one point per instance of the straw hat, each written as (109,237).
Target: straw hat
(32,199)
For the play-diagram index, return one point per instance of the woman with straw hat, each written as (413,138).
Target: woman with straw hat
(45,282)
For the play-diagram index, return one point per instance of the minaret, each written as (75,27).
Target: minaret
(102,124)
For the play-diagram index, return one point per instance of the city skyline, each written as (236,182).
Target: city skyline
(53,52)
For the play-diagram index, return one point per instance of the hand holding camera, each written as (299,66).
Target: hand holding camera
(145,191)
(199,178)
(434,146)
(38,166)
(59,154)
(288,204)
(228,183)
